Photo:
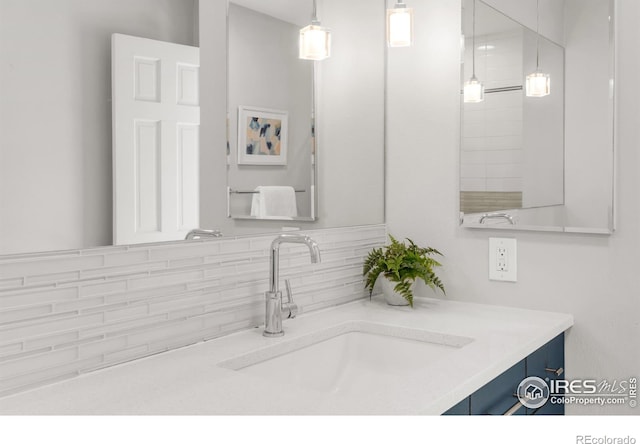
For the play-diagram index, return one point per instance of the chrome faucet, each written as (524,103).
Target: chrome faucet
(275,308)
(497,216)
(199,233)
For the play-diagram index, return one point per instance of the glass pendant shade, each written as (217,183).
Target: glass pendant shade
(473,91)
(399,26)
(315,42)
(538,84)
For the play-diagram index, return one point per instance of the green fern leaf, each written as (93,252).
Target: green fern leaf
(402,263)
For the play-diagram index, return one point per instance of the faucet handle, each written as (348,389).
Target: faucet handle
(290,306)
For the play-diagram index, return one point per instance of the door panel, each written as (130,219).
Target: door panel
(156,119)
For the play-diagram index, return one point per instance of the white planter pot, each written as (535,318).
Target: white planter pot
(390,295)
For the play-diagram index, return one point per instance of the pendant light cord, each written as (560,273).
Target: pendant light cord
(473,42)
(537,35)
(315,15)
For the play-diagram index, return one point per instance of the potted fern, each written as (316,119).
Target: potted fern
(401,264)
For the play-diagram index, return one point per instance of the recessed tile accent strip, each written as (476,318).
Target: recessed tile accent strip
(63,314)
(487,201)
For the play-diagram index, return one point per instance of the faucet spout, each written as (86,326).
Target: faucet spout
(199,233)
(274,305)
(497,216)
(275,255)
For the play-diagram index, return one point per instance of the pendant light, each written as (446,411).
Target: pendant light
(473,88)
(399,25)
(538,84)
(315,40)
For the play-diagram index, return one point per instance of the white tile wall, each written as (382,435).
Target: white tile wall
(492,130)
(67,313)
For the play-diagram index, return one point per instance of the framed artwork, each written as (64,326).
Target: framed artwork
(262,136)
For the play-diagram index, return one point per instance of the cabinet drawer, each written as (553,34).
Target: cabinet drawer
(497,397)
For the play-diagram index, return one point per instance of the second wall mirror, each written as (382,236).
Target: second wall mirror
(537,159)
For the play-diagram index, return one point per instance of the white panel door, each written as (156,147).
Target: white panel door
(156,122)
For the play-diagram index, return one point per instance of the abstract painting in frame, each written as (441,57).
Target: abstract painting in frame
(262,136)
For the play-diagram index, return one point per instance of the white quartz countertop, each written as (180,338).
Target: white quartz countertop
(189,381)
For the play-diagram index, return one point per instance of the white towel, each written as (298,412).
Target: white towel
(274,201)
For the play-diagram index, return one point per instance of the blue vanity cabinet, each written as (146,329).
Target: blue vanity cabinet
(499,396)
(461,408)
(547,363)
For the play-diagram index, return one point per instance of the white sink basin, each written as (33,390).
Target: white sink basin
(351,358)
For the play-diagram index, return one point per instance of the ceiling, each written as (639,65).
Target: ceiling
(297,12)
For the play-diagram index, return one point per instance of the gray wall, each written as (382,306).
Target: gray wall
(351,113)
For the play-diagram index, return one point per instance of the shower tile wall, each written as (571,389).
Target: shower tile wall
(67,313)
(491,155)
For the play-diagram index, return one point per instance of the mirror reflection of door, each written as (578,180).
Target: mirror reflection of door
(155,139)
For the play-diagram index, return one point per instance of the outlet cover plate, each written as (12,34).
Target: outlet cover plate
(503,259)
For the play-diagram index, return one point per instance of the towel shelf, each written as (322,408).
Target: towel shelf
(256,192)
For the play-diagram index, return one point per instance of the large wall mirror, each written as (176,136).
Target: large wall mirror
(538,160)
(56,167)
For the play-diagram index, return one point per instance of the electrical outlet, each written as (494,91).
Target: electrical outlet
(502,259)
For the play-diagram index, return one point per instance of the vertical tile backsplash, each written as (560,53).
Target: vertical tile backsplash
(67,313)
